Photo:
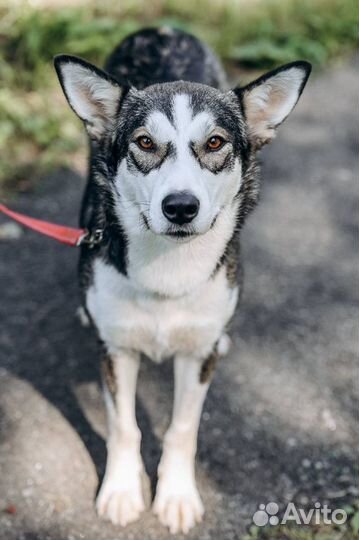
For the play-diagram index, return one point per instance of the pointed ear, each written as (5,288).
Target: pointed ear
(91,93)
(268,100)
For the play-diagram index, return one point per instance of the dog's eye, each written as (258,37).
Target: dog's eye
(145,143)
(215,143)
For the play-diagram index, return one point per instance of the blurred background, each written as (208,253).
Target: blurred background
(280,423)
(37,129)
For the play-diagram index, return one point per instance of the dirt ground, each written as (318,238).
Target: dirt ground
(278,424)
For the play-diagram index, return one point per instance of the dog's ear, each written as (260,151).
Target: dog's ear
(268,100)
(91,93)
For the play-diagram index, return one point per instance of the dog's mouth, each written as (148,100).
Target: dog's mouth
(180,235)
(172,232)
(188,233)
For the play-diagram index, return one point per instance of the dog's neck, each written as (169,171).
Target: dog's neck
(162,266)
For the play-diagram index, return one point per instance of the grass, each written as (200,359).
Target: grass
(302,533)
(37,130)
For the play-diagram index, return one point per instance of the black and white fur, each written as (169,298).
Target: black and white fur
(154,285)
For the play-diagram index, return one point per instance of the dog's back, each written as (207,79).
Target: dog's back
(157,55)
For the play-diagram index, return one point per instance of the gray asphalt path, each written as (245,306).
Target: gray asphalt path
(279,422)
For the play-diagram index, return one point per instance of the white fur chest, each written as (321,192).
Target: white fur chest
(131,317)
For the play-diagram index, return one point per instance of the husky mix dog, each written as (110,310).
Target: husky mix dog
(173,174)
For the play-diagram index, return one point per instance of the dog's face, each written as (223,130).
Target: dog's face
(178,150)
(180,157)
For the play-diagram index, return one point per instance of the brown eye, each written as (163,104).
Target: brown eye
(215,143)
(145,143)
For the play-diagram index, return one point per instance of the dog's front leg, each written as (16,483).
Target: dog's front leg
(177,502)
(120,498)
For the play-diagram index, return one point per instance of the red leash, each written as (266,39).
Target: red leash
(66,235)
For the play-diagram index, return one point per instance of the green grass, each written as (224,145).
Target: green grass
(37,130)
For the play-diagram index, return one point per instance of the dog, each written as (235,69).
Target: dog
(173,174)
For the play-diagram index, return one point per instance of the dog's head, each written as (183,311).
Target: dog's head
(176,153)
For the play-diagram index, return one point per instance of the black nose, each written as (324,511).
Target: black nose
(180,208)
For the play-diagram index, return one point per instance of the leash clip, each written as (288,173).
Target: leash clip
(91,238)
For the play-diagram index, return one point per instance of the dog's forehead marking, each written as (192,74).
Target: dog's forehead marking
(182,112)
(185,124)
(159,125)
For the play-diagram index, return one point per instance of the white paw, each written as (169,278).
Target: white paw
(119,502)
(178,505)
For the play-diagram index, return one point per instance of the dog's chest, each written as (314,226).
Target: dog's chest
(129,317)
